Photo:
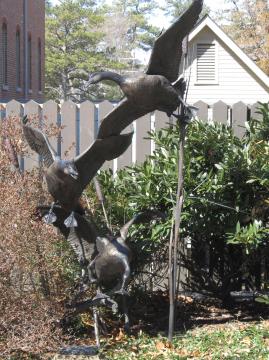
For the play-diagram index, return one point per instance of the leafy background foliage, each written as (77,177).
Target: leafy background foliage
(226,203)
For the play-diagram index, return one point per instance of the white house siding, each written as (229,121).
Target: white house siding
(235,81)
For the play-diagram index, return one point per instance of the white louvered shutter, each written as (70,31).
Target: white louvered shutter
(206,63)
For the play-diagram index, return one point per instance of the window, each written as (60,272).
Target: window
(4,54)
(206,67)
(29,63)
(18,59)
(39,65)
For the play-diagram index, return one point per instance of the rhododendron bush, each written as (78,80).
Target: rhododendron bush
(34,260)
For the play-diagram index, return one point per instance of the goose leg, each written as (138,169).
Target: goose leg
(50,217)
(126,314)
(189,110)
(71,221)
(183,118)
(125,279)
(188,114)
(92,279)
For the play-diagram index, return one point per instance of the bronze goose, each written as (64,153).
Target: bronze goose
(112,262)
(158,88)
(66,179)
(105,257)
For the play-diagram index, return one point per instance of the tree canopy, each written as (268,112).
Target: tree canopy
(247,22)
(73,48)
(83,36)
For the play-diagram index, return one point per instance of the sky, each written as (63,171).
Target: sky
(163,21)
(213,4)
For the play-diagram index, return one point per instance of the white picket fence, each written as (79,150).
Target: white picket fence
(80,124)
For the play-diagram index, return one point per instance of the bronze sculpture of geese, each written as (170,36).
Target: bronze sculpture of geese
(114,255)
(107,257)
(66,179)
(158,88)
(104,259)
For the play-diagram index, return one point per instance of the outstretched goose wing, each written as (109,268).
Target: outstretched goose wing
(143,217)
(40,144)
(167,50)
(119,118)
(89,162)
(82,238)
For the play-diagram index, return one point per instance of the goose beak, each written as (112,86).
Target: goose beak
(74,175)
(73,172)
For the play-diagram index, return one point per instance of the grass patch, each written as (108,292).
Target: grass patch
(230,341)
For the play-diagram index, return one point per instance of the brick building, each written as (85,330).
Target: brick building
(22,37)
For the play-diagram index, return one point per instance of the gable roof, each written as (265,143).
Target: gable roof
(250,64)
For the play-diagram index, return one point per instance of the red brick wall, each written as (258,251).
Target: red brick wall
(11,11)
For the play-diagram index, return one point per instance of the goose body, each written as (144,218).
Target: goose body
(112,264)
(158,88)
(106,257)
(62,187)
(66,179)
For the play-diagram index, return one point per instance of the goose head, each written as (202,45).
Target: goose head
(68,168)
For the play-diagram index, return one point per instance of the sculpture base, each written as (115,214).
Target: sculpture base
(77,353)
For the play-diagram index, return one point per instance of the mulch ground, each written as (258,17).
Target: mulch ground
(149,313)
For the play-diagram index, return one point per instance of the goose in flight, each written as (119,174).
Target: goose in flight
(66,179)
(104,259)
(158,88)
(114,255)
(107,258)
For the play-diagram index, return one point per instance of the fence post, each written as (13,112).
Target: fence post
(33,111)
(87,125)
(239,116)
(220,112)
(143,147)
(126,158)
(253,111)
(161,120)
(203,110)
(104,108)
(69,132)
(15,109)
(51,112)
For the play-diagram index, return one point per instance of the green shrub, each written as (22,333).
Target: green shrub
(226,186)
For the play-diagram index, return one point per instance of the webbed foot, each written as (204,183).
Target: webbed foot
(189,113)
(122,292)
(50,217)
(71,221)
